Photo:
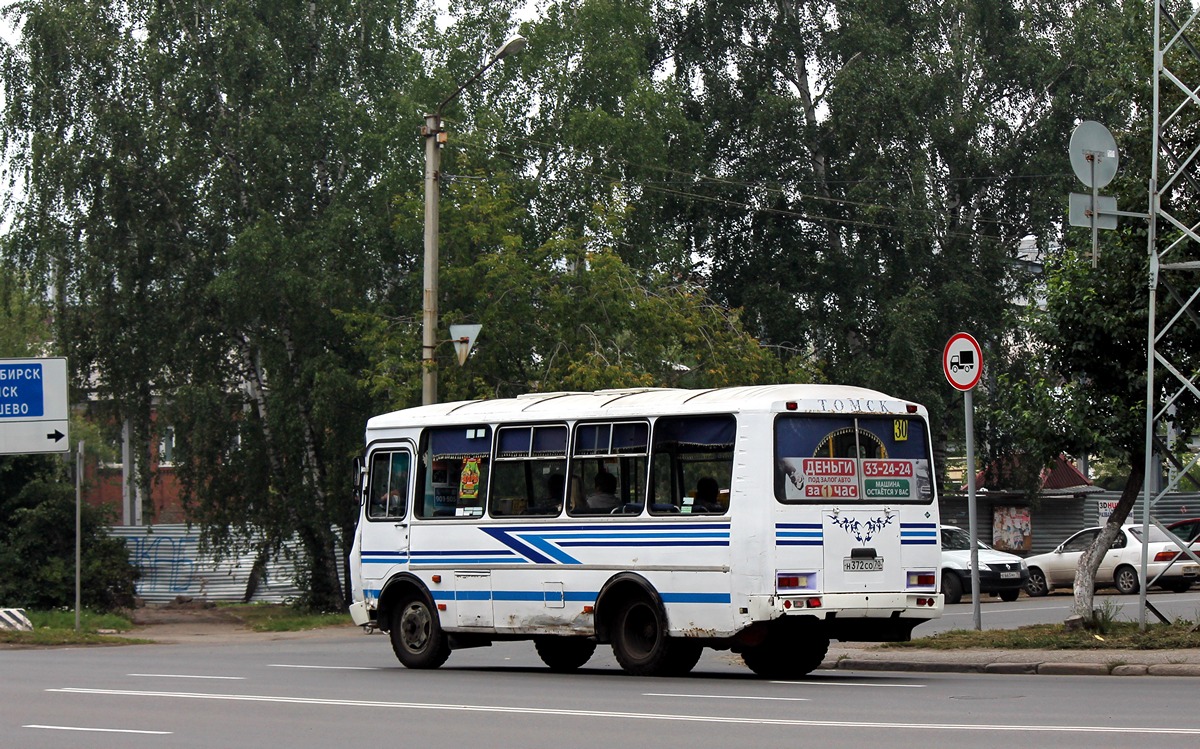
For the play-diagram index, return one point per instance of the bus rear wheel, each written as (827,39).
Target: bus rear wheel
(564,653)
(642,646)
(417,636)
(788,654)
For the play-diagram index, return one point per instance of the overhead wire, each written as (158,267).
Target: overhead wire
(800,215)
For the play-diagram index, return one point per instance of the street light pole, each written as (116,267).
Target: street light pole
(435,136)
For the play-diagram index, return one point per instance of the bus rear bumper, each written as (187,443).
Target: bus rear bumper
(843,606)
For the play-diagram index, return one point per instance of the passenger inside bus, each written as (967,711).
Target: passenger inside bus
(707,493)
(604,497)
(552,503)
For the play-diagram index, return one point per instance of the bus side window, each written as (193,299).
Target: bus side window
(388,490)
(529,474)
(455,465)
(608,460)
(691,469)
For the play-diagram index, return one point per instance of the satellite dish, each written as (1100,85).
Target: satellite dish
(1093,154)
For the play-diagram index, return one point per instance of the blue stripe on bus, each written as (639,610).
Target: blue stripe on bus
(545,544)
(799,534)
(572,596)
(642,544)
(634,535)
(477,552)
(696,597)
(466,560)
(919,534)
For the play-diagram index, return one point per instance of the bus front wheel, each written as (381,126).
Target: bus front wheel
(417,636)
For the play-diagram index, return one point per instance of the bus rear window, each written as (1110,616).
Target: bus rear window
(852,459)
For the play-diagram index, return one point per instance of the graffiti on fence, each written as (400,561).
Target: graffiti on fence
(165,563)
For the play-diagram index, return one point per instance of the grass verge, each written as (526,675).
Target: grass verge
(1120,636)
(270,617)
(57,627)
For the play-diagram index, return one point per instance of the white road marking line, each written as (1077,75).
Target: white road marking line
(610,714)
(326,668)
(189,676)
(726,697)
(851,684)
(98,730)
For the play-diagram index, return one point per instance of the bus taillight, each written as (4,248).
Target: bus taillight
(922,579)
(787,581)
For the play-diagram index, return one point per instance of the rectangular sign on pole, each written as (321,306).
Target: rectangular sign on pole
(33,406)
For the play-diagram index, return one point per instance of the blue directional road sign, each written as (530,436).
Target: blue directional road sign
(33,406)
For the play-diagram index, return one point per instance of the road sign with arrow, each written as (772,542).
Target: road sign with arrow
(33,406)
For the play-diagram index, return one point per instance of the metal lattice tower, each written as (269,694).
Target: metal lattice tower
(1174,250)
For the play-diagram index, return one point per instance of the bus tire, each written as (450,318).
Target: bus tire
(417,636)
(563,654)
(952,586)
(639,638)
(788,655)
(683,656)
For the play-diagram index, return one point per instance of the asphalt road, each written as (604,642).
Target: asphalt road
(345,688)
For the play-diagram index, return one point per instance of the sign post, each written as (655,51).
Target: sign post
(962,363)
(33,406)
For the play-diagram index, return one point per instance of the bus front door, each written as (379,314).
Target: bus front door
(383,526)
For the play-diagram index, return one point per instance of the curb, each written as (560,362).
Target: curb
(1053,668)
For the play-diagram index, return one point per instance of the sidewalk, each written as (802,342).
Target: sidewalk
(870,657)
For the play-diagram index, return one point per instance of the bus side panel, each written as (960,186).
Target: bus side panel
(752,506)
(539,578)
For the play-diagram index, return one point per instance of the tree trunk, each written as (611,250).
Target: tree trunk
(1085,575)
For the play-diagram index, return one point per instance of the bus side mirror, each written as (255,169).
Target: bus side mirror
(360,479)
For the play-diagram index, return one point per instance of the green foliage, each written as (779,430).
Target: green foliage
(204,186)
(37,543)
(24,329)
(226,201)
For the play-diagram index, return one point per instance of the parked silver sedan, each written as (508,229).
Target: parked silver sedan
(1120,565)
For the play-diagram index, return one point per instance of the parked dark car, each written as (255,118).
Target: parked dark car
(1188,530)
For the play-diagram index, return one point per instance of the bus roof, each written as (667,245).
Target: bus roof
(631,402)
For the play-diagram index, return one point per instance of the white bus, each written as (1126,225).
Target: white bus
(762,520)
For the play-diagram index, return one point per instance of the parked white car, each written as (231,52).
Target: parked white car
(1120,566)
(1000,573)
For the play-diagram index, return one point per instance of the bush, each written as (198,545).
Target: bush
(37,543)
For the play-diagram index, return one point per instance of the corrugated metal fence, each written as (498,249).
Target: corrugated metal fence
(1053,519)
(171,565)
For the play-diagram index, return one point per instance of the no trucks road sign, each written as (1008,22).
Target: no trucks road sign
(962,361)
(33,406)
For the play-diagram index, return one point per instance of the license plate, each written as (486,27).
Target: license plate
(1191,570)
(1010,575)
(851,564)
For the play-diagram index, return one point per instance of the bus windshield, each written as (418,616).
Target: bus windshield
(848,458)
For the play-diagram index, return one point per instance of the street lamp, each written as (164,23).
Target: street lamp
(435,136)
